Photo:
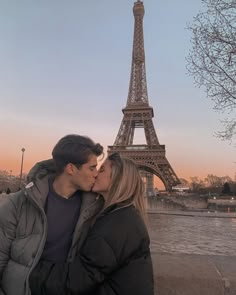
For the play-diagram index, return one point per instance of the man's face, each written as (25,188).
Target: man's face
(103,179)
(84,176)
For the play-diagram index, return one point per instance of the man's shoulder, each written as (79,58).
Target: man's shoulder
(12,200)
(9,208)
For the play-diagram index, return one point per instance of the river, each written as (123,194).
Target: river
(192,235)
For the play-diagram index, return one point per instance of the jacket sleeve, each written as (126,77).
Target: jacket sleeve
(8,223)
(95,262)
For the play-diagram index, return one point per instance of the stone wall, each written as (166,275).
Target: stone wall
(192,202)
(187,202)
(222,205)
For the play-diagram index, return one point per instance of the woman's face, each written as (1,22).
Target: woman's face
(103,179)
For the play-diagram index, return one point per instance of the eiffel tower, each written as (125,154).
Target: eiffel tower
(150,157)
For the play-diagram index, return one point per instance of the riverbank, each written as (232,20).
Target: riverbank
(182,274)
(193,202)
(196,213)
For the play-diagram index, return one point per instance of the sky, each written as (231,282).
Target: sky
(65,68)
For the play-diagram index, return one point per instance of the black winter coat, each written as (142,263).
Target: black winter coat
(114,260)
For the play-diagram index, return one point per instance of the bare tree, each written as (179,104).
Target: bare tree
(196,184)
(7,180)
(216,181)
(212,59)
(184,181)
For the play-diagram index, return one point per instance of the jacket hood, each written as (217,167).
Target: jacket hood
(41,169)
(37,179)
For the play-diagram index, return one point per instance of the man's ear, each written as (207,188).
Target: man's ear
(70,168)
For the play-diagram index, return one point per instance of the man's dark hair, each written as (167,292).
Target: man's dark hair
(75,149)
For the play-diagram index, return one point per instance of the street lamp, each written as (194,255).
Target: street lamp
(22,162)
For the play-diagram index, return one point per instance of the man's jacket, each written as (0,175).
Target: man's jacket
(23,229)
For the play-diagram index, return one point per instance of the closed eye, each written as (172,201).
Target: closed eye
(92,168)
(101,169)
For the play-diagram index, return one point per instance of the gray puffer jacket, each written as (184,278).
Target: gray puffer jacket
(23,229)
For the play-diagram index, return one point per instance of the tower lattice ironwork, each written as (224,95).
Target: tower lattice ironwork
(138,114)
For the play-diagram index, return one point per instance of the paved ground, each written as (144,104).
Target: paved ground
(194,274)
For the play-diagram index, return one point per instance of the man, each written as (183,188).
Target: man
(50,218)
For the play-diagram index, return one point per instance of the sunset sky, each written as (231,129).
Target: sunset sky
(65,68)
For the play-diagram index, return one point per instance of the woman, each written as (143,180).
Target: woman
(115,258)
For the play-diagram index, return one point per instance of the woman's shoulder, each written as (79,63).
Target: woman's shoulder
(121,222)
(123,230)
(121,214)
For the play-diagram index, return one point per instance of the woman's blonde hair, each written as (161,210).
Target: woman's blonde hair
(126,184)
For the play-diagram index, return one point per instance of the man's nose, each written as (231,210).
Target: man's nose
(95,173)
